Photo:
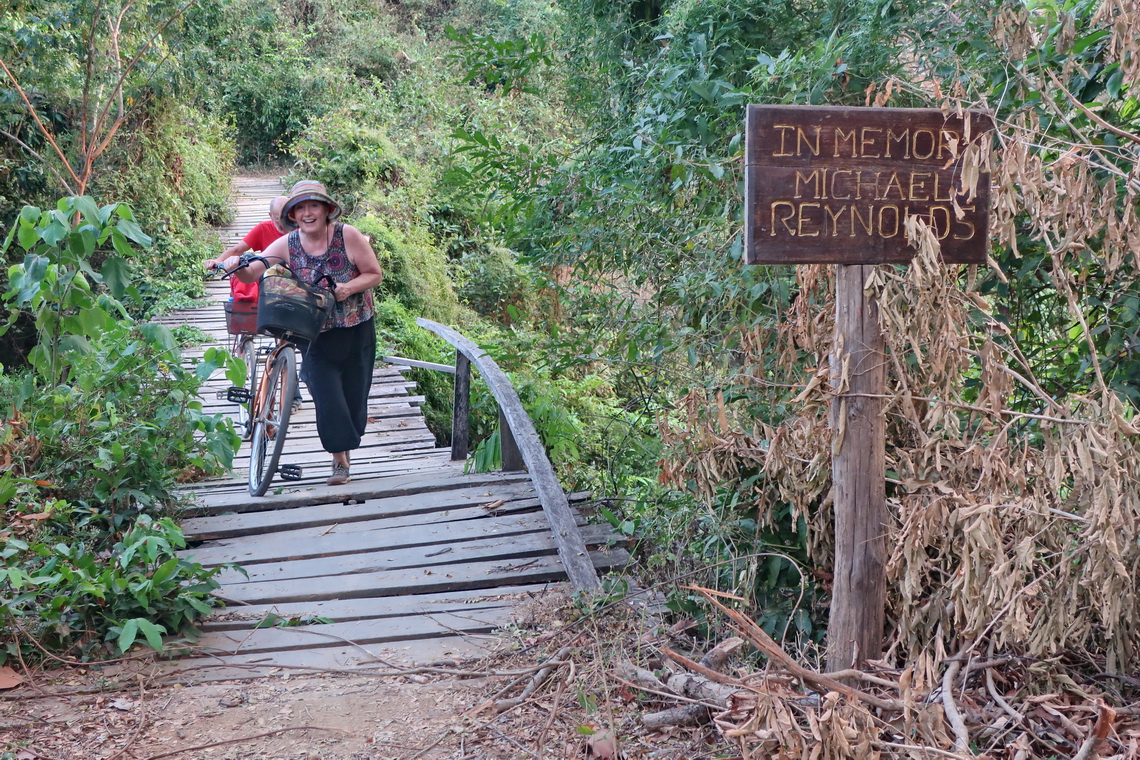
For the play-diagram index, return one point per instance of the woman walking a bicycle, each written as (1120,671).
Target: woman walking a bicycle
(337,366)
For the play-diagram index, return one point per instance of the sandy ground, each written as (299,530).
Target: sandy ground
(281,717)
(446,711)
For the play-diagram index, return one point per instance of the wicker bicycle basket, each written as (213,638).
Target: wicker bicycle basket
(291,309)
(241,317)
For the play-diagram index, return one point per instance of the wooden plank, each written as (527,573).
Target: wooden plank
(357,632)
(571,548)
(507,547)
(401,362)
(364,658)
(477,575)
(438,504)
(342,518)
(318,542)
(858,600)
(448,476)
(379,463)
(345,610)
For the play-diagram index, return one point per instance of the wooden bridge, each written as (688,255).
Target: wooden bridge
(411,560)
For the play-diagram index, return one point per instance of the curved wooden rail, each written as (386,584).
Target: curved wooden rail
(571,547)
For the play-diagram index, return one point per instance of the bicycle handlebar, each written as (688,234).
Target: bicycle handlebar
(218,267)
(331,283)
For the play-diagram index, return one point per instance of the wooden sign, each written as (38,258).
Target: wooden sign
(835,185)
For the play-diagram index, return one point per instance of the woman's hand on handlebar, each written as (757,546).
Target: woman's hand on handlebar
(227,264)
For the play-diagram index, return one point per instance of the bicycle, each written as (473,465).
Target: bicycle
(291,312)
(241,324)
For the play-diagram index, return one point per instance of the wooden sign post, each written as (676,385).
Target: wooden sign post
(834,185)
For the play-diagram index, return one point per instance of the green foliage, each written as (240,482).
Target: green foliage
(415,272)
(592,439)
(348,155)
(397,334)
(494,283)
(176,161)
(99,429)
(57,284)
(57,588)
(272,96)
(512,64)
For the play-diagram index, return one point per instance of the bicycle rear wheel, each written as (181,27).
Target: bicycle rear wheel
(271,418)
(249,356)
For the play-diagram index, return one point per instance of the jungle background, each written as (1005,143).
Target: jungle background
(563,182)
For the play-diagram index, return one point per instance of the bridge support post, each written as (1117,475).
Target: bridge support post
(508,447)
(461,408)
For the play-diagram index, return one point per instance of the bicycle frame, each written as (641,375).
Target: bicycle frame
(270,406)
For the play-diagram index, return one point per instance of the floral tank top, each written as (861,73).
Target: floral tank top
(352,311)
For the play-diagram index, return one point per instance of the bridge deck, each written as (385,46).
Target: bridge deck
(412,559)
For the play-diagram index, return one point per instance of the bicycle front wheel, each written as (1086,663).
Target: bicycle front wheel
(272,407)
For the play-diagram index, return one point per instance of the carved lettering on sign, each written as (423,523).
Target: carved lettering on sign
(836,185)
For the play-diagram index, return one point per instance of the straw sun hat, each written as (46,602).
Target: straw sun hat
(307,190)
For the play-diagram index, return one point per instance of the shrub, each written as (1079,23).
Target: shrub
(493,282)
(347,155)
(98,430)
(59,590)
(174,167)
(415,272)
(397,334)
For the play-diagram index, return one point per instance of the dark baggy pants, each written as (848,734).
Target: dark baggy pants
(337,369)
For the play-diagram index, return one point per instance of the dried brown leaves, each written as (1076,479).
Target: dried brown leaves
(1016,525)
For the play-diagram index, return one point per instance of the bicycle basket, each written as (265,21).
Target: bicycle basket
(291,309)
(241,317)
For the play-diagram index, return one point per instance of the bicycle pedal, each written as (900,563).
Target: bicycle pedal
(236,395)
(289,471)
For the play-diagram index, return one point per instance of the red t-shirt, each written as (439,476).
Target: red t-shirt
(258,239)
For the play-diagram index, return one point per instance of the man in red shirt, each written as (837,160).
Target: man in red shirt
(257,239)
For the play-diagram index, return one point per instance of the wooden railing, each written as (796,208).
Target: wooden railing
(520,446)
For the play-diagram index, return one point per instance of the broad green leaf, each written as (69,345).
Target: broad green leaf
(105,213)
(81,243)
(35,269)
(116,274)
(77,343)
(199,605)
(122,245)
(86,206)
(27,235)
(127,635)
(94,322)
(57,230)
(158,335)
(30,215)
(153,633)
(134,232)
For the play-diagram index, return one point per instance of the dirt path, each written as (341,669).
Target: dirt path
(446,712)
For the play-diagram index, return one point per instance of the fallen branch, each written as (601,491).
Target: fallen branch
(641,677)
(686,715)
(708,673)
(1090,748)
(537,680)
(961,734)
(717,657)
(762,641)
